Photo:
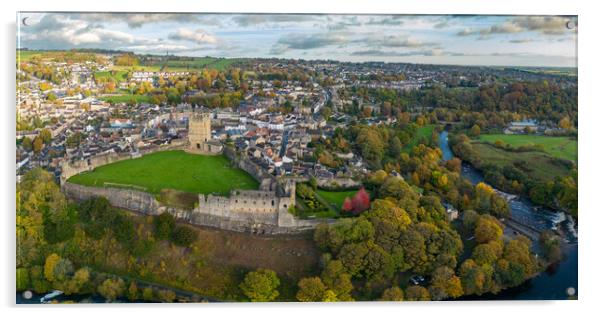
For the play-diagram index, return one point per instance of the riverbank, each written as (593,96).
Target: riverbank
(543,179)
(555,281)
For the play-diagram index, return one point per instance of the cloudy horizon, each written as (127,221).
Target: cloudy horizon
(544,41)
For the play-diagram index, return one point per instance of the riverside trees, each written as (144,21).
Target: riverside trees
(405,233)
(558,191)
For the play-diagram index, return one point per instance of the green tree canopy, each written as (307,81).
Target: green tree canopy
(261,285)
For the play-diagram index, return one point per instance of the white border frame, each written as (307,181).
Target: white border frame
(590,110)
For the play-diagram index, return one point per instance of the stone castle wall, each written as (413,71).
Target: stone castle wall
(243,162)
(263,211)
(123,198)
(217,212)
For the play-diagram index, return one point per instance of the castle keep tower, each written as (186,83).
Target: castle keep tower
(199,135)
(199,130)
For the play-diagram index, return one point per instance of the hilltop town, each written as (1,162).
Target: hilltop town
(198,174)
(272,116)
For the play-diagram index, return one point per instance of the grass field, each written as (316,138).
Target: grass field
(137,68)
(561,147)
(118,76)
(25,55)
(201,63)
(196,64)
(424,131)
(540,164)
(124,98)
(336,198)
(171,170)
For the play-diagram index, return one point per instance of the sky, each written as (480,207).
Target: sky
(549,41)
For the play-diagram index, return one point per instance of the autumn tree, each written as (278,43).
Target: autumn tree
(551,245)
(475,279)
(46,136)
(392,294)
(27,144)
(164,224)
(454,165)
(38,145)
(337,280)
(417,293)
(360,201)
(23,279)
(311,290)
(132,293)
(111,288)
(475,130)
(487,253)
(487,229)
(444,284)
(51,261)
(565,123)
(261,285)
(75,283)
(347,205)
(184,236)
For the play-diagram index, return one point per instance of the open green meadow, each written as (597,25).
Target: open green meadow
(422,132)
(219,64)
(177,170)
(195,64)
(536,164)
(561,147)
(125,98)
(25,55)
(336,197)
(118,76)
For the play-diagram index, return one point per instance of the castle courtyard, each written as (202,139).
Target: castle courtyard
(175,169)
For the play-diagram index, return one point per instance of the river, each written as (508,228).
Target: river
(553,283)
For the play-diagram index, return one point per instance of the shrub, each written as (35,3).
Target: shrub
(23,282)
(164,225)
(183,236)
(261,285)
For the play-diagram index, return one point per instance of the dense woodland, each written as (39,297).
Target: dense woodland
(489,106)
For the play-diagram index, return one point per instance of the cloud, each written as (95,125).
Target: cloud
(391,20)
(159,48)
(345,23)
(547,25)
(521,40)
(255,19)
(311,41)
(502,28)
(136,20)
(494,29)
(426,52)
(394,41)
(278,49)
(56,32)
(442,24)
(551,25)
(197,36)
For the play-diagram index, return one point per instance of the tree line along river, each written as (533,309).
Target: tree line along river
(552,284)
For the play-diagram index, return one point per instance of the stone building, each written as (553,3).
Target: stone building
(199,135)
